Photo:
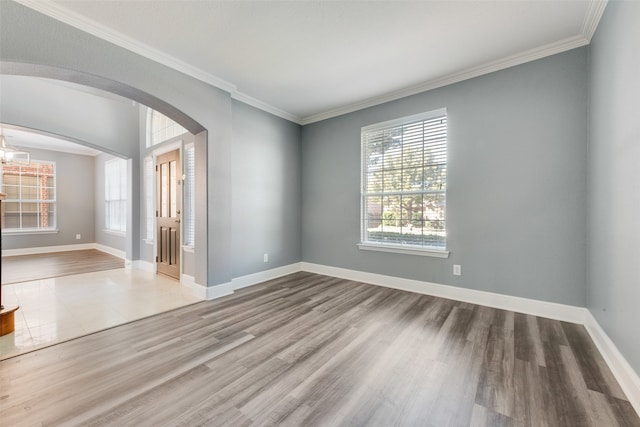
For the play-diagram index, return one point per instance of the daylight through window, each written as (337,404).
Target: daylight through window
(31,195)
(404,182)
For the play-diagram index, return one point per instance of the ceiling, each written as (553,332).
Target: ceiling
(310,60)
(29,139)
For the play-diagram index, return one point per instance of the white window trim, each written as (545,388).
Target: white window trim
(49,230)
(386,247)
(396,249)
(25,231)
(106,228)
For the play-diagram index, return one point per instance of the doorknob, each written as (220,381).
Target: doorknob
(176,220)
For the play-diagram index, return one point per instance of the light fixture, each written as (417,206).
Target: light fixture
(9,154)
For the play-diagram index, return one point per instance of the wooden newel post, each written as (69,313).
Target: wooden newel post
(7,319)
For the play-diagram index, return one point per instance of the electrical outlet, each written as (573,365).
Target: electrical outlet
(457,270)
(266,258)
(78,237)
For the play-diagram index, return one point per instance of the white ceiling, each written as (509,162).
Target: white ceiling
(26,139)
(309,60)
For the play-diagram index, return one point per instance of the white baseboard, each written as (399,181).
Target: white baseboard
(111,251)
(64,248)
(48,249)
(623,372)
(219,291)
(189,282)
(550,310)
(263,276)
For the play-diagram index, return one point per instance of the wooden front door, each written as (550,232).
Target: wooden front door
(168,213)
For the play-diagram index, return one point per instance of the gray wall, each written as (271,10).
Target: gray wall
(613,289)
(31,43)
(266,190)
(516,183)
(107,124)
(74,203)
(103,237)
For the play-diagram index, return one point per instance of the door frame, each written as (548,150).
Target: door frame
(177,144)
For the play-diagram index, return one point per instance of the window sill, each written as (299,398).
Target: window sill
(436,253)
(115,233)
(189,248)
(16,232)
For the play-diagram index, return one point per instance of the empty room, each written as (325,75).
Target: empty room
(373,213)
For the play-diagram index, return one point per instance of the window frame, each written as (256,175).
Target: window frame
(364,244)
(188,200)
(123,191)
(52,202)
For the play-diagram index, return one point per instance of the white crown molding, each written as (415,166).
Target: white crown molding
(103,32)
(595,9)
(490,67)
(266,107)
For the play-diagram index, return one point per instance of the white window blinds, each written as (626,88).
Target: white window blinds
(189,195)
(148,197)
(115,195)
(404,181)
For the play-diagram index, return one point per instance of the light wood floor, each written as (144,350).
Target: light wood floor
(309,350)
(24,268)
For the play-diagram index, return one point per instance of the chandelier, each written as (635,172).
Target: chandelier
(9,154)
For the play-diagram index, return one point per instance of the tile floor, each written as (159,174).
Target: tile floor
(62,308)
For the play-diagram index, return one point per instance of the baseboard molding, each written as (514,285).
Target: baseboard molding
(218,291)
(263,276)
(111,251)
(623,372)
(48,249)
(549,310)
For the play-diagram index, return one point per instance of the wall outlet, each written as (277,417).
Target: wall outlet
(78,236)
(457,270)
(265,258)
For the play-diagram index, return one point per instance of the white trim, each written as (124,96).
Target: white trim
(110,250)
(246,99)
(142,265)
(27,231)
(436,253)
(92,27)
(263,276)
(48,249)
(60,13)
(116,233)
(477,71)
(595,9)
(549,310)
(219,291)
(623,372)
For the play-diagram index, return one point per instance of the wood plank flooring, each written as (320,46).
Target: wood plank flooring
(25,268)
(307,350)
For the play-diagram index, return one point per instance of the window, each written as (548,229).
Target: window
(115,195)
(189,195)
(31,195)
(404,181)
(149,176)
(161,128)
